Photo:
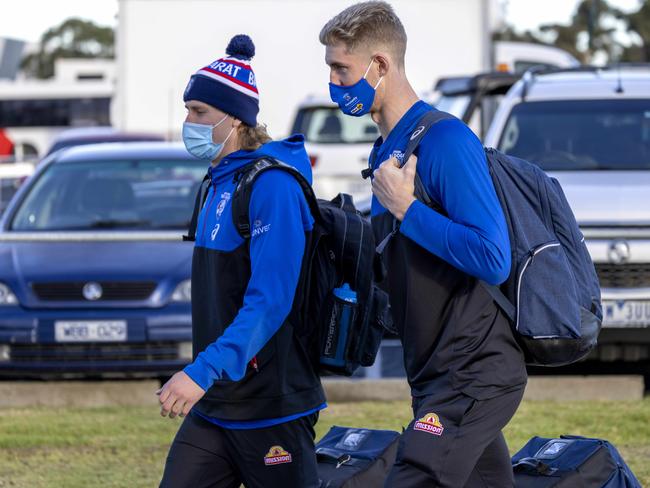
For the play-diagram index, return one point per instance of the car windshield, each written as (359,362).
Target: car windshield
(580,134)
(330,126)
(134,194)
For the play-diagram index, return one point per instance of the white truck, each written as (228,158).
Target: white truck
(160,43)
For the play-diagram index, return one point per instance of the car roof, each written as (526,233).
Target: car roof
(496,82)
(104,133)
(586,83)
(111,151)
(86,132)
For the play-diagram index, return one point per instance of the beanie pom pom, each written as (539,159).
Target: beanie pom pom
(241,46)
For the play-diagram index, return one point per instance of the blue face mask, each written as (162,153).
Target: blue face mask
(198,140)
(355,100)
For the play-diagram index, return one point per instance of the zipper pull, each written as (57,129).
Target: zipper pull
(253,363)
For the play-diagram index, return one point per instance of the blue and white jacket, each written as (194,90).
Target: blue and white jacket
(254,370)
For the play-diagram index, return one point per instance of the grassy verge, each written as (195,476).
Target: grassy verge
(126,447)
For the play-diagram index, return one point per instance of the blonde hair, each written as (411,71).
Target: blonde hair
(251,138)
(367,24)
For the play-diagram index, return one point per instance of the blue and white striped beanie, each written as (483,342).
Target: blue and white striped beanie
(229,83)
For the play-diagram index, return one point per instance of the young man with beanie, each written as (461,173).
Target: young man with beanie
(251,396)
(465,369)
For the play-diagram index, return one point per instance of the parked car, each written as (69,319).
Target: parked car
(590,128)
(338,147)
(94,275)
(12,175)
(94,135)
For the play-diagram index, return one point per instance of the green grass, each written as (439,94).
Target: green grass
(126,447)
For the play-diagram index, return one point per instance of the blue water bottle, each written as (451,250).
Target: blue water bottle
(340,321)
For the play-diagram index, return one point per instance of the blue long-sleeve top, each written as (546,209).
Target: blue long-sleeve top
(473,236)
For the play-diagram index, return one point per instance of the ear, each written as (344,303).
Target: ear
(383,63)
(236,123)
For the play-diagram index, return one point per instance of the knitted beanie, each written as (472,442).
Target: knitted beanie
(229,83)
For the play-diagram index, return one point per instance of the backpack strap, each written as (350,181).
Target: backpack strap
(501,300)
(429,119)
(366,173)
(424,124)
(198,204)
(247,176)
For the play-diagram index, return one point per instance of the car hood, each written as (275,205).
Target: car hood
(30,261)
(608,198)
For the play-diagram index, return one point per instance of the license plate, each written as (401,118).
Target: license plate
(625,313)
(90,331)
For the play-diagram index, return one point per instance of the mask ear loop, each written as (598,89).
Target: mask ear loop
(223,144)
(219,123)
(368,70)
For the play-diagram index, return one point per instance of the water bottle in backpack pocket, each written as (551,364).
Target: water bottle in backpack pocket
(341,314)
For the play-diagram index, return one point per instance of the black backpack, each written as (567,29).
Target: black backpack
(339,334)
(552,296)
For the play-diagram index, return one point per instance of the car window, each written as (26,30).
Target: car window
(93,195)
(453,104)
(330,125)
(580,134)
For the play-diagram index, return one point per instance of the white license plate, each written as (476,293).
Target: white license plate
(625,313)
(90,331)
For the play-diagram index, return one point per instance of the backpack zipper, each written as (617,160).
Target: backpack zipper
(531,255)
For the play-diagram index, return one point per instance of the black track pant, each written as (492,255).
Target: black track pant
(456,441)
(204,455)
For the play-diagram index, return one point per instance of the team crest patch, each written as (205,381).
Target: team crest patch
(397,154)
(225,197)
(429,423)
(277,455)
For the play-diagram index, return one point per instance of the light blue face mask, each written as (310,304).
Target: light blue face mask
(198,140)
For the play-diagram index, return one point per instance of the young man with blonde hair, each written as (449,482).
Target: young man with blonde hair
(465,369)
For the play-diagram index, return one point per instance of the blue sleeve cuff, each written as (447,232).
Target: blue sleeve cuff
(199,372)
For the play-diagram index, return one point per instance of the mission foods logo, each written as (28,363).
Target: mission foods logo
(430,423)
(277,455)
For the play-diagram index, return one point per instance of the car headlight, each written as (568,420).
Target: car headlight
(6,296)
(5,352)
(183,292)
